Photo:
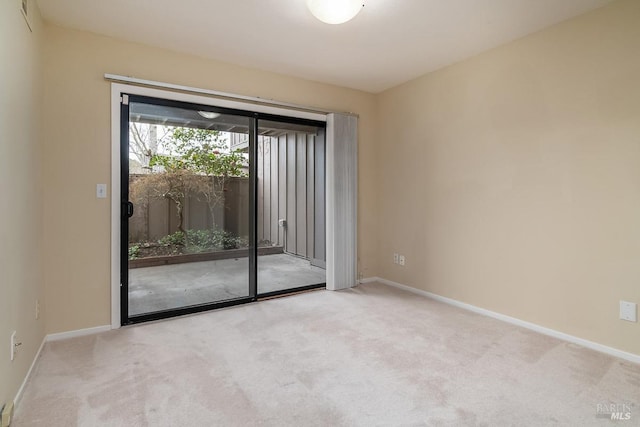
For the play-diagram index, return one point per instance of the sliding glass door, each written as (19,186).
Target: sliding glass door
(219,207)
(291,206)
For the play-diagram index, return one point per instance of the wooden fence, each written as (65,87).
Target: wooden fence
(158,217)
(291,188)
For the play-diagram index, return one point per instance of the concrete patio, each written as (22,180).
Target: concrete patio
(172,286)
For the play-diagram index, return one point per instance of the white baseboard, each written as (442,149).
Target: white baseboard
(77,333)
(26,378)
(528,325)
(55,337)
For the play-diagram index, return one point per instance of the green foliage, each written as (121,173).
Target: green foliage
(175,239)
(134,251)
(196,241)
(223,239)
(198,151)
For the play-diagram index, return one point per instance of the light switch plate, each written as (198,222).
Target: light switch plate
(628,311)
(101,191)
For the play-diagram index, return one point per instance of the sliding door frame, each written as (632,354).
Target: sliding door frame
(121,96)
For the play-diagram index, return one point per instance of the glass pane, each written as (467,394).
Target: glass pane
(291,206)
(188,182)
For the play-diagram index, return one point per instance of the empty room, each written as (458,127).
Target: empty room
(319,212)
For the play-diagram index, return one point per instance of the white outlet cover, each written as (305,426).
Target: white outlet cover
(628,311)
(401,259)
(13,345)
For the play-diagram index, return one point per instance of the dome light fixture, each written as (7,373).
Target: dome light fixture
(209,114)
(335,11)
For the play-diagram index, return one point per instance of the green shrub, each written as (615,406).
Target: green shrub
(134,251)
(175,239)
(196,241)
(222,239)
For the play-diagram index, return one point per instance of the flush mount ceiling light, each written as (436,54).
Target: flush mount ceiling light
(335,11)
(209,114)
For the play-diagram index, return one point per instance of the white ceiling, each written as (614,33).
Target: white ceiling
(388,43)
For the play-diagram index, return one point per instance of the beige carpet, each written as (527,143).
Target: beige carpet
(369,356)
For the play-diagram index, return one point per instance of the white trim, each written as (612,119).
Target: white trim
(51,338)
(77,333)
(635,358)
(16,400)
(370,280)
(115,204)
(214,98)
(25,13)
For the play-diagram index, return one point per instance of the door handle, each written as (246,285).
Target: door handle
(127,209)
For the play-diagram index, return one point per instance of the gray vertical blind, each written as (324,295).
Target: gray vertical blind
(342,201)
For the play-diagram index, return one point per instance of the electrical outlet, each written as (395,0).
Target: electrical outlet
(628,311)
(396,258)
(401,260)
(37,309)
(13,345)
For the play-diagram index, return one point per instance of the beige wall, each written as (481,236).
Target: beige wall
(78,143)
(20,233)
(511,181)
